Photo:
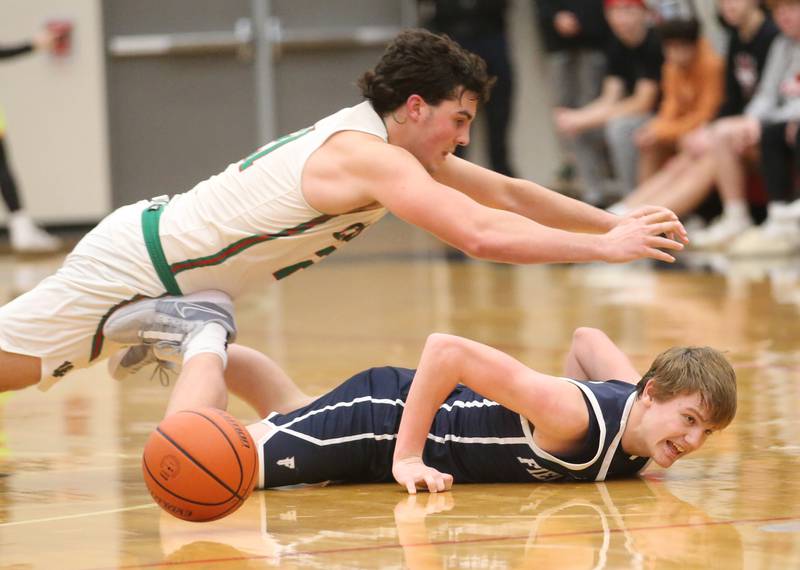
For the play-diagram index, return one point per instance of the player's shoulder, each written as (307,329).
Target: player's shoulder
(609,388)
(367,153)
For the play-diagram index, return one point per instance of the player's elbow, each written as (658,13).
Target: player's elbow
(481,242)
(479,247)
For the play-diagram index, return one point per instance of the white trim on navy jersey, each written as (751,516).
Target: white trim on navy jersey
(260,449)
(449,437)
(526,428)
(353,402)
(612,448)
(472,404)
(336,440)
(478,440)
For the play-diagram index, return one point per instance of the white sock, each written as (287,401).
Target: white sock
(736,209)
(212,338)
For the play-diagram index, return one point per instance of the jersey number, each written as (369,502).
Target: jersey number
(350,232)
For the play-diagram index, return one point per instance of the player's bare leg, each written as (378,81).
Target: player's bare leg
(260,382)
(19,371)
(594,356)
(201,384)
(250,375)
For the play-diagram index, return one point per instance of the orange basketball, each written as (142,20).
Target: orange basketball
(200,465)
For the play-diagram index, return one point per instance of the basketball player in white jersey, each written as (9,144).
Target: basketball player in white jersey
(300,198)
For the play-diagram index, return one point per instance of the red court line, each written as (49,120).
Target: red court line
(375,548)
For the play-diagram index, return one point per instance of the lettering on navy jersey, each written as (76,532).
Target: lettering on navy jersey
(287,462)
(537,471)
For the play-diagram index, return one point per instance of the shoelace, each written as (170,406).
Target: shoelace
(164,372)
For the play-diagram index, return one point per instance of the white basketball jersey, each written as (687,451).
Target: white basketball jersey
(251,224)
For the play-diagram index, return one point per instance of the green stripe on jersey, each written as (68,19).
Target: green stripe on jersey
(248,162)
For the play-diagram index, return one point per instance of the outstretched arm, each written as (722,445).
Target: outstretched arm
(594,356)
(536,202)
(554,406)
(523,197)
(394,178)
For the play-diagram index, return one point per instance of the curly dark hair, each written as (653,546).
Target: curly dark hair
(430,65)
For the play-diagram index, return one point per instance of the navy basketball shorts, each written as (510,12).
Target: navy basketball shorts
(348,434)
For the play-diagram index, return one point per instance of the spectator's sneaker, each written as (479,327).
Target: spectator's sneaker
(792,210)
(168,323)
(27,237)
(768,239)
(721,232)
(127,362)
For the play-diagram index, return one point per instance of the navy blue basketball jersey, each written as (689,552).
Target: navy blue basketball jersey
(349,435)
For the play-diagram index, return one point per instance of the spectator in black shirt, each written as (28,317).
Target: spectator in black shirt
(480,27)
(747,52)
(628,98)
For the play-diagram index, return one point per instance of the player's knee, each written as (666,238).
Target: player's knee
(585,335)
(585,332)
(442,345)
(435,341)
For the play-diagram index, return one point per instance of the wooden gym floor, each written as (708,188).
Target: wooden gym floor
(71,493)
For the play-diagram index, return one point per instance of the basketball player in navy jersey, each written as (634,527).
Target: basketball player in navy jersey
(473,414)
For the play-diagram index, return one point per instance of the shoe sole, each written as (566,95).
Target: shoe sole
(125,324)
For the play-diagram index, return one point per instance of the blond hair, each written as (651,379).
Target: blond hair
(689,370)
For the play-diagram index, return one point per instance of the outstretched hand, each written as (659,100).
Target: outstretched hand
(645,232)
(413,474)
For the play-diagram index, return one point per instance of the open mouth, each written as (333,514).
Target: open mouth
(674,450)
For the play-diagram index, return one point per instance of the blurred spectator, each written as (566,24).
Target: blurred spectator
(688,178)
(692,87)
(480,27)
(771,122)
(629,95)
(575,35)
(24,235)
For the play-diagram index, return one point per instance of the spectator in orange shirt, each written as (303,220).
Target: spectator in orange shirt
(692,86)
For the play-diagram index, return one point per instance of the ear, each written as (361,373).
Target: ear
(415,106)
(647,394)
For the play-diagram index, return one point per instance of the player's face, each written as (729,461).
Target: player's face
(735,12)
(674,428)
(443,128)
